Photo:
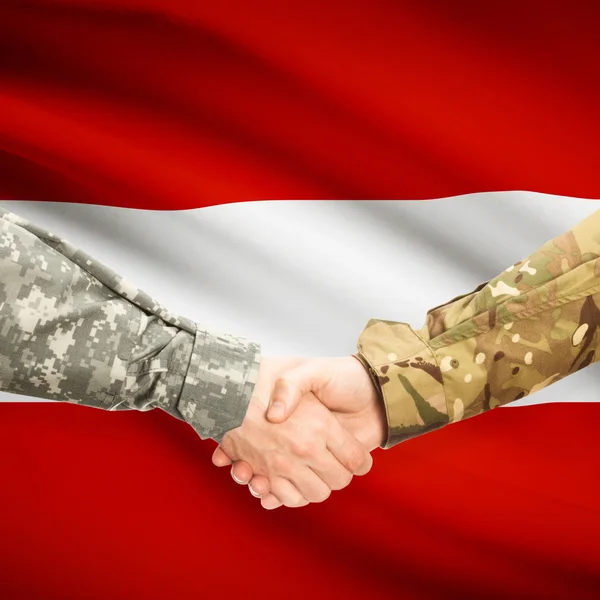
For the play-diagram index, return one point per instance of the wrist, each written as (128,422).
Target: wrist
(375,420)
(376,425)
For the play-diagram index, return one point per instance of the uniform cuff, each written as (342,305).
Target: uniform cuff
(219,383)
(409,377)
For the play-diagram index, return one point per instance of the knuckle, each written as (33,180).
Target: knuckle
(354,461)
(301,447)
(281,385)
(279,463)
(319,427)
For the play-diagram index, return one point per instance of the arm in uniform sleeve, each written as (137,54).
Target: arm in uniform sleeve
(527,328)
(72,330)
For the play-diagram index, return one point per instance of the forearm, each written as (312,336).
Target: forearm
(527,328)
(73,330)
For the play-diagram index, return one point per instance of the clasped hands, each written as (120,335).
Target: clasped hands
(310,427)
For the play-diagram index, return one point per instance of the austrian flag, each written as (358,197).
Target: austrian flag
(188,189)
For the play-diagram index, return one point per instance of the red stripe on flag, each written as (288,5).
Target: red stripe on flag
(128,505)
(172,104)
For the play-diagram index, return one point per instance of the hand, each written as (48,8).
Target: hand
(343,386)
(303,459)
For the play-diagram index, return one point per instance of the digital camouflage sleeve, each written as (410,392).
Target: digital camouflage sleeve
(73,330)
(527,328)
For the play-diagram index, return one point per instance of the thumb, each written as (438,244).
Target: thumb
(289,389)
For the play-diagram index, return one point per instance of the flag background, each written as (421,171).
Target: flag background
(171,105)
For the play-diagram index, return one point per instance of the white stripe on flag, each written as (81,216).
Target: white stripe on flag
(303,277)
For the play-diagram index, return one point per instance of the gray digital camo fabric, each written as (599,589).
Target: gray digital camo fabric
(73,330)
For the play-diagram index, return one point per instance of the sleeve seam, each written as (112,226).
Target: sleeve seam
(519,314)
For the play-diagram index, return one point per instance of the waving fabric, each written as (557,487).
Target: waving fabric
(170,105)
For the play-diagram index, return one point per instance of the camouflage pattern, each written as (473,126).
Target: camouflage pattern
(527,328)
(73,330)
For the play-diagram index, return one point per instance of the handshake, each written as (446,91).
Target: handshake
(310,426)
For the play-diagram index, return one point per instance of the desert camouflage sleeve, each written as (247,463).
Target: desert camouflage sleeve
(527,328)
(72,330)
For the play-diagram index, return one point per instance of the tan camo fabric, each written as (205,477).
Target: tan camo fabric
(527,328)
(73,330)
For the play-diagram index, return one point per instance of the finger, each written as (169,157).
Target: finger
(349,451)
(287,493)
(259,486)
(219,458)
(241,472)
(331,471)
(270,502)
(310,485)
(289,388)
